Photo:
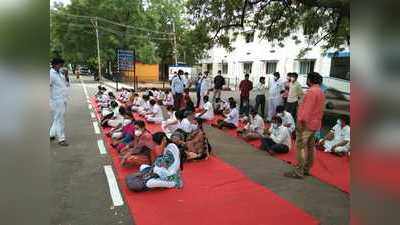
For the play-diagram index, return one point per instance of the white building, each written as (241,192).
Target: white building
(260,58)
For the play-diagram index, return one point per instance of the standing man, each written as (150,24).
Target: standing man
(58,101)
(309,119)
(294,95)
(219,82)
(198,85)
(177,88)
(245,87)
(205,87)
(260,91)
(275,97)
(186,81)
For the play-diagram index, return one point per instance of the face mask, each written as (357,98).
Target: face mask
(274,125)
(339,122)
(279,114)
(138,133)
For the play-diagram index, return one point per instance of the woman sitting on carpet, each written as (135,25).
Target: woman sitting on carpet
(254,128)
(187,122)
(117,119)
(166,169)
(231,120)
(140,151)
(123,135)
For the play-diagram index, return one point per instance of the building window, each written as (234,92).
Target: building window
(271,67)
(209,67)
(306,66)
(247,67)
(340,68)
(224,68)
(249,36)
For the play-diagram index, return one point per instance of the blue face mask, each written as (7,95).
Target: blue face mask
(339,122)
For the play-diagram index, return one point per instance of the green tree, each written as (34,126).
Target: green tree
(321,21)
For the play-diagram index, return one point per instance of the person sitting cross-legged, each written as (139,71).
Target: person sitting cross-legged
(207,111)
(277,139)
(231,120)
(337,140)
(287,119)
(156,114)
(254,128)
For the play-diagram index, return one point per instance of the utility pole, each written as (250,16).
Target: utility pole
(98,47)
(175,49)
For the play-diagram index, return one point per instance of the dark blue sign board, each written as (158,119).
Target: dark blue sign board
(125,59)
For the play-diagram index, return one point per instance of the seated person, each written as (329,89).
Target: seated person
(100,91)
(117,118)
(140,150)
(338,138)
(107,113)
(146,107)
(169,98)
(161,96)
(218,107)
(123,135)
(156,114)
(287,118)
(140,103)
(254,128)
(231,120)
(165,172)
(105,99)
(188,104)
(277,139)
(207,111)
(169,125)
(196,145)
(187,122)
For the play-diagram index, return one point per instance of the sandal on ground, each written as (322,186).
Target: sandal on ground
(293,174)
(63,143)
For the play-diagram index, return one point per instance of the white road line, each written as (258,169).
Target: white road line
(112,183)
(92,115)
(96,128)
(84,89)
(102,148)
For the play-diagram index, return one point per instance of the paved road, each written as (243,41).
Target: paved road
(80,188)
(81,195)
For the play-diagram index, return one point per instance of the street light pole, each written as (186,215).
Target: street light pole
(98,48)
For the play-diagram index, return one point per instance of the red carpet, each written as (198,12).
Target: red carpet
(213,193)
(328,168)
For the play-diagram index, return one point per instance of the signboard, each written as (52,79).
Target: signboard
(173,68)
(125,59)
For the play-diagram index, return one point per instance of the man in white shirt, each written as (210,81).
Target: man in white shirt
(275,98)
(205,87)
(156,115)
(338,139)
(287,118)
(207,111)
(259,91)
(58,101)
(254,128)
(231,120)
(187,124)
(278,138)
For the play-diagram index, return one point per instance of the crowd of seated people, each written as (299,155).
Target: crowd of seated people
(160,156)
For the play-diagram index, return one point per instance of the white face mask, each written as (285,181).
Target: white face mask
(279,114)
(138,133)
(274,125)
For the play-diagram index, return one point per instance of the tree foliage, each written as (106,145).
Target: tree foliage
(149,31)
(323,22)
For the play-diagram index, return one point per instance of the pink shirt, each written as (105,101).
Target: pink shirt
(312,108)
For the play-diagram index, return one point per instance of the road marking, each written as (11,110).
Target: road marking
(96,128)
(84,88)
(112,184)
(102,148)
(92,115)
